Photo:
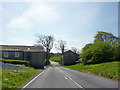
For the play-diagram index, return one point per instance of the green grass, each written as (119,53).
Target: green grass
(13,78)
(55,59)
(108,70)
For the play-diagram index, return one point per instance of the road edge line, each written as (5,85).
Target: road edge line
(32,80)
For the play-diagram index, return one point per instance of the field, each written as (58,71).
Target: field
(55,59)
(14,79)
(109,70)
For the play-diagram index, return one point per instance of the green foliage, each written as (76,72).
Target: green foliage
(109,70)
(87,46)
(106,37)
(97,53)
(116,52)
(21,62)
(105,48)
(55,59)
(13,78)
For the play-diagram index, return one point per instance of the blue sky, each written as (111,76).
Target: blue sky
(75,22)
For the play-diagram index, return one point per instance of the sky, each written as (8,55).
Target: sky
(75,22)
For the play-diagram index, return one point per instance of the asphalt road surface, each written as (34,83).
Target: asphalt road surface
(59,77)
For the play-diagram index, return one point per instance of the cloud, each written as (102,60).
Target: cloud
(41,13)
(21,23)
(36,14)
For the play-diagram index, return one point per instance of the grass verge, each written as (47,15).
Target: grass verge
(13,78)
(108,70)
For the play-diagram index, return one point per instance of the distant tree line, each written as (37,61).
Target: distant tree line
(106,48)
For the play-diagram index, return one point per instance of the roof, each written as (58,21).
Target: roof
(21,48)
(70,51)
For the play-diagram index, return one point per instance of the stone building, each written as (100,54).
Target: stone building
(34,54)
(69,58)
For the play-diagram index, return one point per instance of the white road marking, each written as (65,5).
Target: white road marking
(74,81)
(60,70)
(70,78)
(34,78)
(66,78)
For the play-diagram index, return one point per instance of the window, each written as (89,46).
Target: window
(16,54)
(5,54)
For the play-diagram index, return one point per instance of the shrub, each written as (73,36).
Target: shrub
(116,50)
(85,56)
(97,53)
(26,63)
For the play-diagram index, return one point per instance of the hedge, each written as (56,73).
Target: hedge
(97,53)
(21,62)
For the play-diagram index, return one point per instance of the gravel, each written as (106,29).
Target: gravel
(7,66)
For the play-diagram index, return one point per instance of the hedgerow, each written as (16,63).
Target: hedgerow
(100,52)
(21,62)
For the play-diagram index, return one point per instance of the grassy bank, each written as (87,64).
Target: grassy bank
(55,59)
(14,78)
(108,70)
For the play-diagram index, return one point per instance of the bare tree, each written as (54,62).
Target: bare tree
(47,43)
(61,46)
(75,50)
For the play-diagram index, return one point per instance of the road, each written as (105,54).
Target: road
(56,76)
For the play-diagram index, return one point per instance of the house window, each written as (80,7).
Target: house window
(16,54)
(5,54)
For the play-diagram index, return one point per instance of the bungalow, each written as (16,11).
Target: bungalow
(33,54)
(69,58)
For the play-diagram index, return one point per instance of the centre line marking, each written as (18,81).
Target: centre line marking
(70,78)
(66,78)
(74,81)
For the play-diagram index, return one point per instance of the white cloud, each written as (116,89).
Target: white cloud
(20,23)
(36,14)
(41,13)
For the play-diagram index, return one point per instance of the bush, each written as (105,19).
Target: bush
(21,62)
(116,50)
(97,53)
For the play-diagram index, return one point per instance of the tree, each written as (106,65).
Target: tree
(61,46)
(97,53)
(75,50)
(116,50)
(87,46)
(47,43)
(106,37)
